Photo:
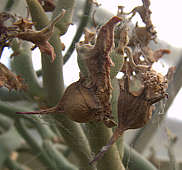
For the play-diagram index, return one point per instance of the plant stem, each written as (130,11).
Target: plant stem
(11,164)
(76,140)
(64,23)
(80,29)
(22,65)
(98,136)
(53,83)
(135,161)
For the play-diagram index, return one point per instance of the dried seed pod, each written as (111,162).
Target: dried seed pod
(78,103)
(134,111)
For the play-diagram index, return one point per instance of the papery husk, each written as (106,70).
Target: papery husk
(78,103)
(10,80)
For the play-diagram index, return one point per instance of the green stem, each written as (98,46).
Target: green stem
(57,157)
(5,122)
(14,165)
(135,161)
(43,129)
(114,104)
(52,72)
(53,83)
(37,149)
(64,23)
(98,136)
(22,65)
(80,29)
(9,5)
(76,140)
(37,13)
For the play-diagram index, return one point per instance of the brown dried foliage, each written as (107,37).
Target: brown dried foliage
(10,80)
(4,39)
(40,38)
(22,29)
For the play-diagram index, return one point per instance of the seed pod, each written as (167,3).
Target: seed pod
(135,111)
(77,103)
(80,104)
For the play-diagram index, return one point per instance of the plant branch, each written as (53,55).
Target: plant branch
(53,83)
(135,161)
(52,72)
(22,65)
(64,23)
(98,136)
(76,140)
(80,29)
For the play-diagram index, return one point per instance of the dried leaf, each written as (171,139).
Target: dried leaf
(40,38)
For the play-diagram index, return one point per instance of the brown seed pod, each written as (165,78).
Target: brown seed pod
(134,111)
(78,103)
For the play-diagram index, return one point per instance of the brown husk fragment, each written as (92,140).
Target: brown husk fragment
(39,38)
(10,80)
(4,40)
(24,24)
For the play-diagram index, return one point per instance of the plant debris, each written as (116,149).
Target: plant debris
(10,80)
(22,29)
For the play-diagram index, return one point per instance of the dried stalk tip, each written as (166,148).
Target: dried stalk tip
(48,5)
(24,31)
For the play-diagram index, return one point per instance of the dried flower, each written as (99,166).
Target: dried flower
(134,111)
